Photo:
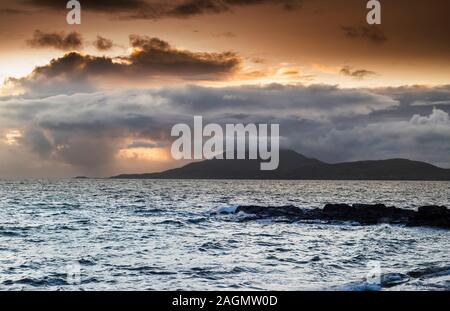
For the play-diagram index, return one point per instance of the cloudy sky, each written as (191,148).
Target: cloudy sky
(100,98)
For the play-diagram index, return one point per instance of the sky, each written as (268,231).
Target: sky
(100,98)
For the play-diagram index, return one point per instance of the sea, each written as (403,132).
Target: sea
(101,234)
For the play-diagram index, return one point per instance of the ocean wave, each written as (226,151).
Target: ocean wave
(356,214)
(124,245)
(170,222)
(39,282)
(430,272)
(57,279)
(225,210)
(391,280)
(387,280)
(144,211)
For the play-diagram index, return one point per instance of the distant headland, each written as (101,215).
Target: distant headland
(294,166)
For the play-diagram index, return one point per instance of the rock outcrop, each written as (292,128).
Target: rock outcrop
(365,214)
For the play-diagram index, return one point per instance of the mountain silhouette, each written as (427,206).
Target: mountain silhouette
(295,166)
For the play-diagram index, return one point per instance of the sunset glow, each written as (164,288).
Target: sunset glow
(78,96)
(145,154)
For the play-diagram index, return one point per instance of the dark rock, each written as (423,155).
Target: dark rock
(429,272)
(436,216)
(271,211)
(375,207)
(393,279)
(432,211)
(365,214)
(332,209)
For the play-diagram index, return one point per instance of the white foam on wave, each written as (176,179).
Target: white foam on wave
(226,210)
(356,286)
(230,211)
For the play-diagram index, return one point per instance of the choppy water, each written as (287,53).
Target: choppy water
(159,235)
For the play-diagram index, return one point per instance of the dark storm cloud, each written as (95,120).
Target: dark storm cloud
(160,57)
(286,4)
(163,9)
(151,57)
(195,7)
(371,33)
(87,130)
(418,137)
(316,102)
(417,96)
(13,12)
(36,141)
(94,5)
(103,44)
(333,124)
(57,40)
(68,74)
(358,74)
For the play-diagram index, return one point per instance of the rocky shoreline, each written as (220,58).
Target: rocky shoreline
(364,214)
